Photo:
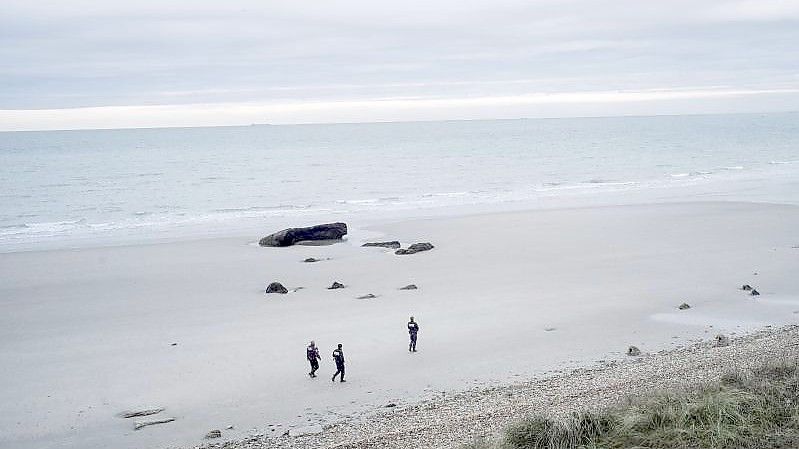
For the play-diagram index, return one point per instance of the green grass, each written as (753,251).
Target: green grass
(758,409)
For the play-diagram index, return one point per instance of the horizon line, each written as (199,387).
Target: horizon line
(360,122)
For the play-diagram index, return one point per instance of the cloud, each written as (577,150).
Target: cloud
(91,53)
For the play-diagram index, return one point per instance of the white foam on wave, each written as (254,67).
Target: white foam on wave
(783,162)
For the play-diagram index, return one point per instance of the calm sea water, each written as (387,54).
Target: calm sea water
(72,185)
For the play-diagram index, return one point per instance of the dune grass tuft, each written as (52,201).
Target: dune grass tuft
(758,409)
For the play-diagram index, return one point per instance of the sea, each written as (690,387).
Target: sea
(71,189)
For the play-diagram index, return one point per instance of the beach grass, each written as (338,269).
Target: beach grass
(754,409)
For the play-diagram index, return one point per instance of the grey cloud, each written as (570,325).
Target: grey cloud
(95,53)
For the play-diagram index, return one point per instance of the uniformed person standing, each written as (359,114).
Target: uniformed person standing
(413,330)
(312,353)
(338,356)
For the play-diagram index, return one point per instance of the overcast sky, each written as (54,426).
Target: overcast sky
(100,64)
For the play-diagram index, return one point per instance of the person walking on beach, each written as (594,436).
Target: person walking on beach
(413,329)
(338,356)
(312,353)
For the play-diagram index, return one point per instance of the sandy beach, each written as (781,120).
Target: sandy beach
(503,299)
(483,413)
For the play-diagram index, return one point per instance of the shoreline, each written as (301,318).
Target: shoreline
(458,419)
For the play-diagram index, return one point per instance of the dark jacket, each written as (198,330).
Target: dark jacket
(413,327)
(338,356)
(312,353)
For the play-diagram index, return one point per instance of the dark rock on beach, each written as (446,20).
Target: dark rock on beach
(310,260)
(213,434)
(336,285)
(288,237)
(276,287)
(392,244)
(746,287)
(633,351)
(409,287)
(721,340)
(755,292)
(415,248)
(367,296)
(684,306)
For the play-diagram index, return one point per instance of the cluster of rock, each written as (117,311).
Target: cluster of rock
(394,244)
(277,287)
(331,232)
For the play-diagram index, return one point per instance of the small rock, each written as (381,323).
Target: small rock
(367,296)
(722,340)
(213,434)
(276,287)
(392,244)
(415,248)
(302,431)
(311,260)
(746,287)
(139,424)
(391,404)
(409,287)
(549,329)
(336,285)
(230,427)
(142,412)
(173,344)
(755,292)
(633,351)
(684,306)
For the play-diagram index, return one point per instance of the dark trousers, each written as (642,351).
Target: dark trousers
(314,367)
(412,345)
(339,370)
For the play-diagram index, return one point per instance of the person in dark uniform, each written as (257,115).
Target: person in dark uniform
(338,356)
(312,353)
(413,329)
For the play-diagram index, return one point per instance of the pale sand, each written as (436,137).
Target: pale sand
(86,334)
(452,421)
